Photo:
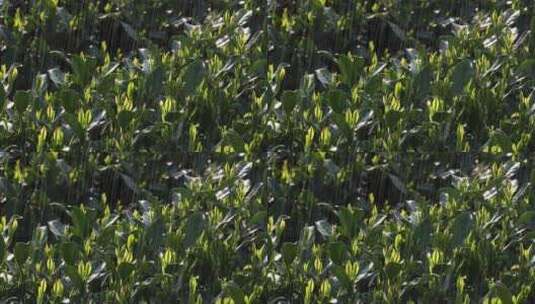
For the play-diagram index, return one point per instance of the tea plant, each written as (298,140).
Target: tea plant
(308,151)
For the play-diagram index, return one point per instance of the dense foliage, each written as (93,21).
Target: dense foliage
(267,151)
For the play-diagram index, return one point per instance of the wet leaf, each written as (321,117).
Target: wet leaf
(289,252)
(57,76)
(462,73)
(461,227)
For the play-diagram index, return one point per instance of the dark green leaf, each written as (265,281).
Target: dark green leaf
(392,269)
(337,252)
(21,251)
(70,252)
(349,220)
(72,121)
(337,100)
(234,139)
(461,227)
(80,220)
(527,68)
(2,98)
(462,73)
(195,226)
(3,250)
(289,100)
(83,67)
(124,118)
(22,100)
(422,82)
(125,269)
(69,99)
(350,68)
(503,293)
(527,219)
(341,275)
(234,291)
(289,252)
(193,76)
(72,272)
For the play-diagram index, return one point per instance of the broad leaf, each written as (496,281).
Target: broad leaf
(289,100)
(462,73)
(461,226)
(22,100)
(289,252)
(193,76)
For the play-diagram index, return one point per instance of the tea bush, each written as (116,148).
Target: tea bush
(296,151)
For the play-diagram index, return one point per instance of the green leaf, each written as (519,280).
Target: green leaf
(503,293)
(337,252)
(72,272)
(423,231)
(2,97)
(234,139)
(82,67)
(341,275)
(289,100)
(527,219)
(80,220)
(289,252)
(124,118)
(21,251)
(461,227)
(341,122)
(349,67)
(22,100)
(195,225)
(125,269)
(154,231)
(193,76)
(393,118)
(3,250)
(69,99)
(232,290)
(154,82)
(349,220)
(422,83)
(337,100)
(392,269)
(260,218)
(70,252)
(307,85)
(527,68)
(72,121)
(462,73)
